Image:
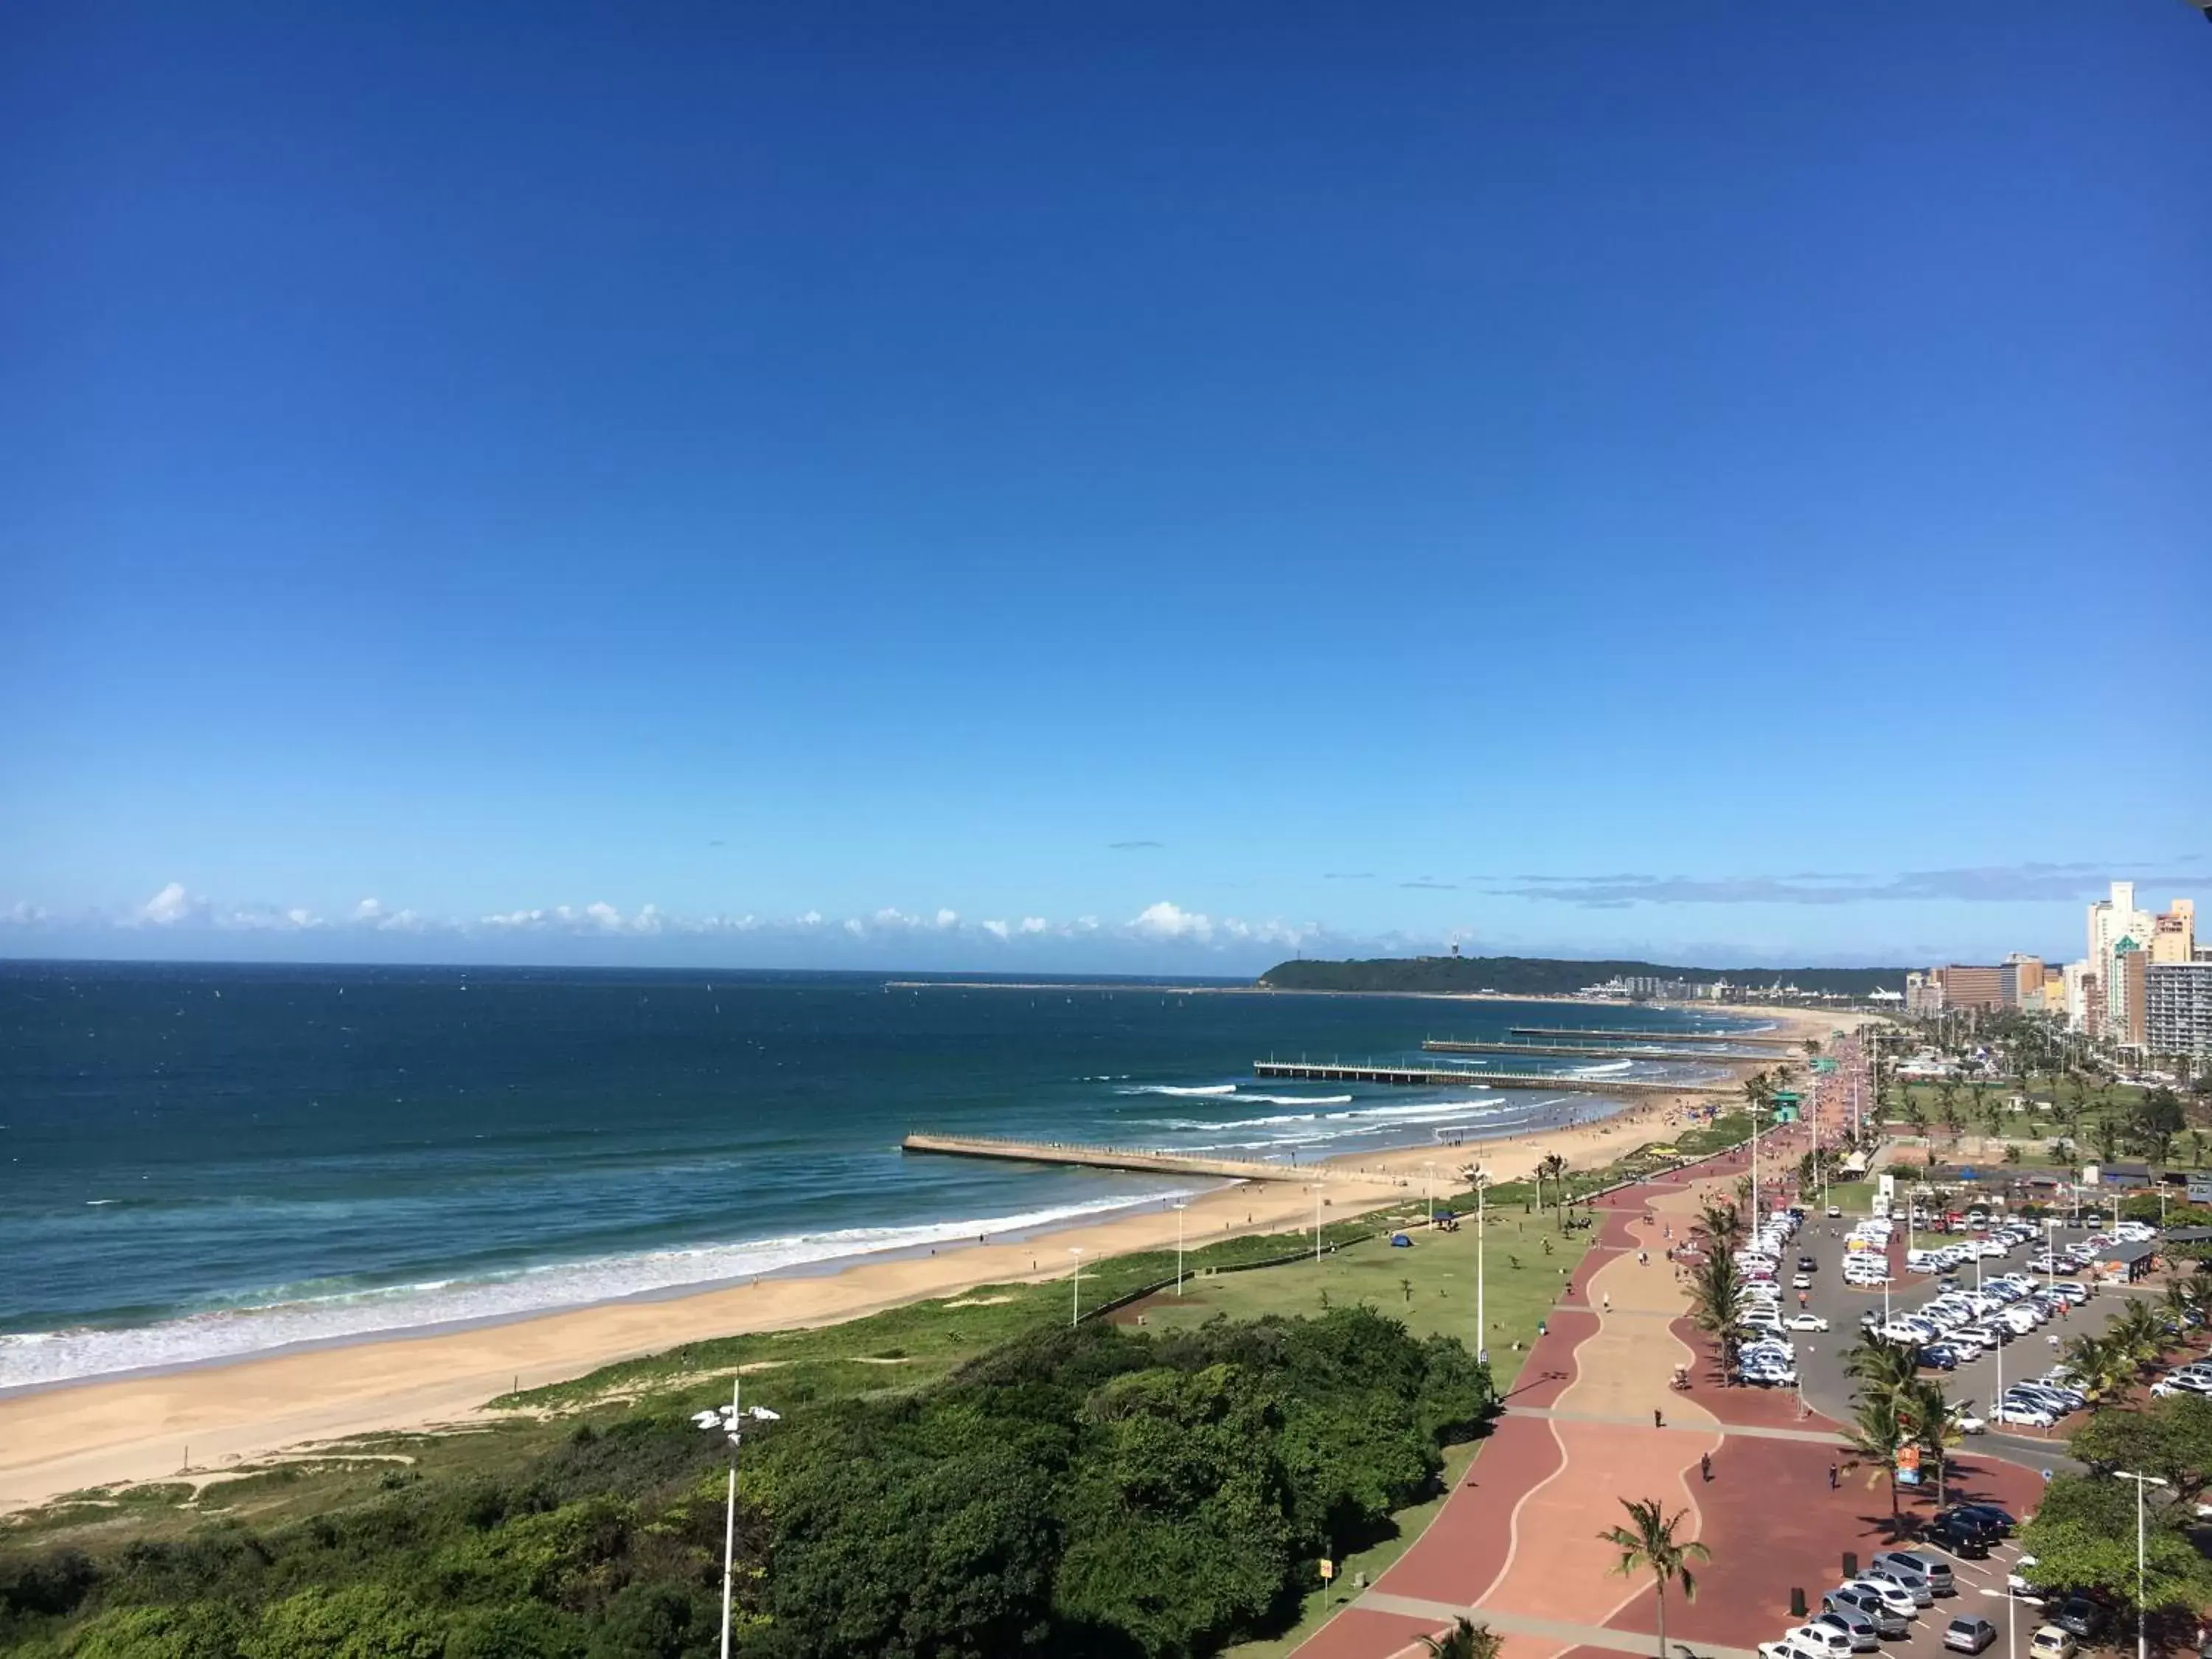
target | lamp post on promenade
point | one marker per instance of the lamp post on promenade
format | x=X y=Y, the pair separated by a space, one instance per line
x=1481 y=1313
x=1075 y=1288
x=1180 y=1206
x=2141 y=1480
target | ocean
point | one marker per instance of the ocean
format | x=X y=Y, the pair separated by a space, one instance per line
x=201 y=1162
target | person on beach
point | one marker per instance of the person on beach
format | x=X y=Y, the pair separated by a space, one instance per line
x=1658 y=1420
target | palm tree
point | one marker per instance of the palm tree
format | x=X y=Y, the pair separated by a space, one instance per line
x=1876 y=1433
x=1648 y=1544
x=1714 y=1292
x=1723 y=1222
x=1934 y=1420
x=2102 y=1364
x=1552 y=1168
x=1887 y=1374
x=1463 y=1641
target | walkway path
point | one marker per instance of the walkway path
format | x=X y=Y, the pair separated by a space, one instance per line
x=1516 y=1546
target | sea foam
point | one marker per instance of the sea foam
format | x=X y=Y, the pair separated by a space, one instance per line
x=31 y=1358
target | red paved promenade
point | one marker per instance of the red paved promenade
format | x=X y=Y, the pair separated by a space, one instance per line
x=1517 y=1544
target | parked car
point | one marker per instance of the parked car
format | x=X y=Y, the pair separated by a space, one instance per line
x=1989 y=1513
x=1805 y=1321
x=1970 y=1634
x=1821 y=1641
x=2049 y=1641
x=1895 y=1597
x=1932 y=1567
x=1913 y=1583
x=1961 y=1534
x=1890 y=1608
x=2078 y=1615
x=1865 y=1636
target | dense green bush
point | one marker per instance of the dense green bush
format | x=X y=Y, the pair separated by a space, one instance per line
x=1096 y=1491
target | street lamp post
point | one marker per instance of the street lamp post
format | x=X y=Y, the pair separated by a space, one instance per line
x=1429 y=1175
x=1180 y=1206
x=1482 y=1318
x=729 y=1420
x=2141 y=1480
x=1075 y=1288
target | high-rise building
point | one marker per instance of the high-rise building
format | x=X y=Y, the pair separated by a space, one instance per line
x=1923 y=996
x=1967 y=986
x=2054 y=1000
x=2112 y=922
x=2020 y=981
x=2124 y=993
x=2173 y=932
x=2079 y=978
x=2178 y=1007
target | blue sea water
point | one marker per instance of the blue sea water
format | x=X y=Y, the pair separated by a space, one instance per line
x=204 y=1161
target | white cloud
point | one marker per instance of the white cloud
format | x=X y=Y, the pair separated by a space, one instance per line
x=1168 y=921
x=24 y=913
x=369 y=909
x=1034 y=924
x=997 y=930
x=169 y=905
x=948 y=919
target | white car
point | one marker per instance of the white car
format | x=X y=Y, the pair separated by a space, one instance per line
x=1805 y=1321
x=1969 y=1424
x=2020 y=1416
x=1825 y=1640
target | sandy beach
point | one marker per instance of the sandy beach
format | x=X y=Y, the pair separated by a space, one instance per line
x=152 y=1426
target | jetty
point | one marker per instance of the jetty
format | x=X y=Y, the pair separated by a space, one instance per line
x=1107 y=1157
x=1590 y=1051
x=1579 y=1031
x=1455 y=1077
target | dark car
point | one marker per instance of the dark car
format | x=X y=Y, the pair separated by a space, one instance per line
x=1969 y=1634
x=1990 y=1514
x=2078 y=1615
x=1807 y=1265
x=1961 y=1534
x=1940 y=1356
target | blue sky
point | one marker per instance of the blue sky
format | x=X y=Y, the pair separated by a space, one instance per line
x=1712 y=481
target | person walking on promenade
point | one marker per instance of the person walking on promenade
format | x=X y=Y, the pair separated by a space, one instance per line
x=1706 y=1466
x=1835 y=1477
x=1605 y=1302
x=1658 y=1421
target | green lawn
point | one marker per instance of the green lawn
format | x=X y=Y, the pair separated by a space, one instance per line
x=1431 y=1287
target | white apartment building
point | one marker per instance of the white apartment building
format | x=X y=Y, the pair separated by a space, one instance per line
x=2179 y=995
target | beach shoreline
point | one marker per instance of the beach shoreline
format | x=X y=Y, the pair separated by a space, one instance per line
x=207 y=1417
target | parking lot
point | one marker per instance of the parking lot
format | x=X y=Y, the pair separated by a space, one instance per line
x=1981 y=1586
x=1827 y=1388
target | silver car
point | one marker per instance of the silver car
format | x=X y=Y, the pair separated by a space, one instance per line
x=1865 y=1636
x=1913 y=1583
x=1933 y=1568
